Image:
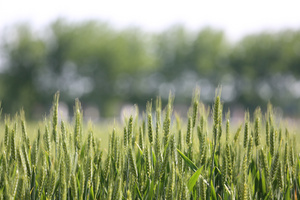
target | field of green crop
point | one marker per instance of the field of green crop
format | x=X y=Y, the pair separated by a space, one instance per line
x=156 y=156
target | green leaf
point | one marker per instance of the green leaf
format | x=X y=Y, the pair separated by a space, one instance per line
x=153 y=157
x=56 y=186
x=227 y=192
x=151 y=191
x=257 y=183
x=78 y=186
x=147 y=189
x=139 y=148
x=216 y=168
x=75 y=162
x=288 y=193
x=216 y=159
x=33 y=186
x=188 y=161
x=299 y=174
x=213 y=194
x=263 y=181
x=166 y=147
x=299 y=180
x=138 y=191
x=226 y=195
x=269 y=160
x=257 y=175
x=267 y=197
x=194 y=179
x=92 y=193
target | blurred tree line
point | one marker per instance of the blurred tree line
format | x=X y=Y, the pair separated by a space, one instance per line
x=107 y=67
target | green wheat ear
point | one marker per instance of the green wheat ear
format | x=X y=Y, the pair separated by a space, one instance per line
x=245 y=191
x=272 y=141
x=257 y=131
x=78 y=124
x=73 y=187
x=130 y=130
x=128 y=194
x=227 y=126
x=195 y=105
x=42 y=173
x=147 y=159
x=246 y=130
x=237 y=134
x=189 y=132
x=141 y=138
x=26 y=158
x=55 y=121
x=264 y=163
x=24 y=131
x=47 y=141
x=216 y=117
x=280 y=177
x=257 y=117
x=274 y=167
x=220 y=129
x=19 y=193
x=171 y=183
x=13 y=145
x=202 y=188
x=150 y=125
x=158 y=110
x=157 y=140
x=51 y=179
x=125 y=136
x=167 y=120
x=21 y=165
x=88 y=171
x=285 y=157
x=172 y=144
x=228 y=164
x=62 y=180
x=132 y=163
x=291 y=156
x=267 y=133
x=165 y=161
x=6 y=136
x=34 y=154
x=224 y=169
x=3 y=172
x=90 y=141
x=250 y=147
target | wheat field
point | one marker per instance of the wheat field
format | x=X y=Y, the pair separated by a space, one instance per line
x=153 y=156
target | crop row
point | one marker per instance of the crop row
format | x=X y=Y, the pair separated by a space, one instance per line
x=156 y=156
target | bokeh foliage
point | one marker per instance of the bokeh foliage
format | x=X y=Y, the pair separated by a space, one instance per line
x=108 y=67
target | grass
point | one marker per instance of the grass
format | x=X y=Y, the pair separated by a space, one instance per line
x=156 y=156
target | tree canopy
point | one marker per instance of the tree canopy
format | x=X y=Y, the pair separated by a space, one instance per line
x=108 y=67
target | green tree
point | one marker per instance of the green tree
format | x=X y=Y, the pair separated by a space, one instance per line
x=24 y=55
x=263 y=64
x=98 y=56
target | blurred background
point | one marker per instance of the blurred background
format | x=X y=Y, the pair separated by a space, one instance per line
x=112 y=54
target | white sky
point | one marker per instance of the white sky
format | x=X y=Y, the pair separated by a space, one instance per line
x=235 y=17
